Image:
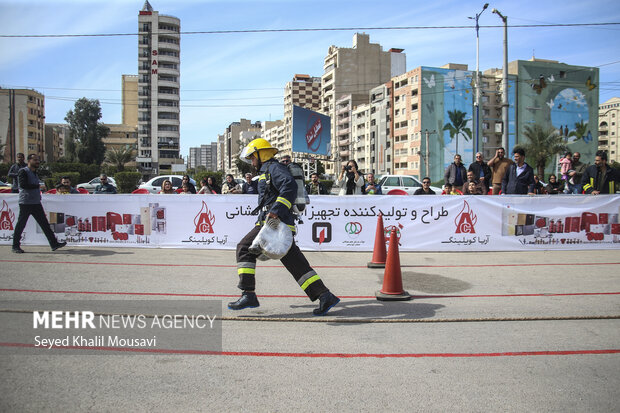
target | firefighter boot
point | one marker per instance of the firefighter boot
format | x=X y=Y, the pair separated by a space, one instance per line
x=326 y=301
x=247 y=300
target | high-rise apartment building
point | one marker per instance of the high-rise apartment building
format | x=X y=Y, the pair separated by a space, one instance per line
x=203 y=156
x=22 y=123
x=158 y=91
x=354 y=71
x=380 y=136
x=303 y=91
x=130 y=100
x=232 y=141
x=609 y=129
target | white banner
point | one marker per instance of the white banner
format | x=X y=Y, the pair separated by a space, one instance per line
x=330 y=223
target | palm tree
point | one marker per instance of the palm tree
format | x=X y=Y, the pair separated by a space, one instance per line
x=542 y=145
x=119 y=157
x=457 y=126
x=581 y=129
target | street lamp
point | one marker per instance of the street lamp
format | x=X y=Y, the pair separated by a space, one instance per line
x=477 y=103
x=504 y=82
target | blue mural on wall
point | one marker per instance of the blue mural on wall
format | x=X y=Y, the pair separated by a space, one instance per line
x=570 y=115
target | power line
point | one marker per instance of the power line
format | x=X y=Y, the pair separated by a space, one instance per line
x=332 y=29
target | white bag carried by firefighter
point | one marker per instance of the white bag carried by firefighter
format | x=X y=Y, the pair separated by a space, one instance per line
x=273 y=241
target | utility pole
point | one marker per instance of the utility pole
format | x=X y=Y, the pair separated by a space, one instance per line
x=477 y=103
x=427 y=153
x=505 y=105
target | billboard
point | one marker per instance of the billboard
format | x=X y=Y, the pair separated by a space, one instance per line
x=311 y=131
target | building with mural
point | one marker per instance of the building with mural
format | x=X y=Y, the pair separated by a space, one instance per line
x=559 y=96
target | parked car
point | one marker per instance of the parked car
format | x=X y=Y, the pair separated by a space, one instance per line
x=91 y=185
x=154 y=184
x=5 y=187
x=407 y=183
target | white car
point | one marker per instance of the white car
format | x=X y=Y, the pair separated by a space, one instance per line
x=91 y=185
x=154 y=184
x=407 y=183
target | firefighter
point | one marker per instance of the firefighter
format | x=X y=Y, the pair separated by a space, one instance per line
x=277 y=191
x=600 y=178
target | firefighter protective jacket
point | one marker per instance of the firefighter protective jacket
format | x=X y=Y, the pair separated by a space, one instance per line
x=277 y=191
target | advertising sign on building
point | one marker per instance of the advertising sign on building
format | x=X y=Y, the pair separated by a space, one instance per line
x=311 y=131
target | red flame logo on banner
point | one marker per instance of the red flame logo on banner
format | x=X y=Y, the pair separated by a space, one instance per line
x=465 y=220
x=204 y=220
x=7 y=217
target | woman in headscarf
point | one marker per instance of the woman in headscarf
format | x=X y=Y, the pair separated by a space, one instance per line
x=231 y=186
x=209 y=186
x=350 y=180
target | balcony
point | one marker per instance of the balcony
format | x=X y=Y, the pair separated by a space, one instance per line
x=343 y=142
x=342 y=110
x=167 y=96
x=143 y=159
x=344 y=131
x=344 y=154
x=169 y=46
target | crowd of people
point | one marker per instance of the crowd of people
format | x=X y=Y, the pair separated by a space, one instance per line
x=500 y=175
x=505 y=176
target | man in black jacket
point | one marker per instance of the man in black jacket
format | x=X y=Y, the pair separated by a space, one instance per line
x=30 y=204
x=600 y=178
x=315 y=187
x=456 y=174
x=481 y=171
x=519 y=178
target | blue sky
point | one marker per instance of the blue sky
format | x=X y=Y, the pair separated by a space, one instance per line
x=225 y=77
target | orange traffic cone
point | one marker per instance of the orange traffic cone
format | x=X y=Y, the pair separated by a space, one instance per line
x=378 y=253
x=392 y=289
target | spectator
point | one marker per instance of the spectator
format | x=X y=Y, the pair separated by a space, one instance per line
x=600 y=178
x=166 y=188
x=285 y=160
x=215 y=188
x=231 y=186
x=499 y=165
x=426 y=188
x=105 y=187
x=315 y=187
x=63 y=189
x=448 y=189
x=190 y=185
x=13 y=171
x=519 y=177
x=566 y=164
x=350 y=180
x=482 y=172
x=576 y=174
x=249 y=186
x=539 y=186
x=66 y=181
x=371 y=187
x=185 y=189
x=471 y=177
x=456 y=174
x=553 y=186
x=473 y=189
x=30 y=204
